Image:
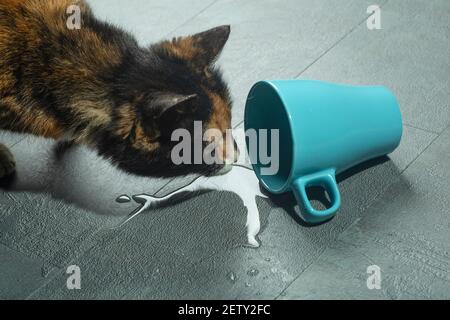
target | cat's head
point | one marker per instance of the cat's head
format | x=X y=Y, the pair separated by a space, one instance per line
x=185 y=88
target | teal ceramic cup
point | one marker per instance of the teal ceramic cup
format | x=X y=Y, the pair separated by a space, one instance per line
x=324 y=129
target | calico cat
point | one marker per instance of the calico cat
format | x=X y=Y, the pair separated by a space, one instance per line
x=96 y=86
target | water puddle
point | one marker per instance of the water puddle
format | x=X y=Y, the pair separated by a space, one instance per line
x=240 y=180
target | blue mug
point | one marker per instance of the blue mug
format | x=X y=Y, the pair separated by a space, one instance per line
x=324 y=129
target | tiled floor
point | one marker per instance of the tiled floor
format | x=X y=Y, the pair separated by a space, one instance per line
x=395 y=213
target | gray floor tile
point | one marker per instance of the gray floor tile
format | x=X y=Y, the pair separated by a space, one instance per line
x=36 y=223
x=405 y=232
x=9 y=203
x=399 y=58
x=126 y=266
x=151 y=20
x=20 y=274
x=158 y=254
x=240 y=274
x=50 y=229
x=413 y=142
x=272 y=40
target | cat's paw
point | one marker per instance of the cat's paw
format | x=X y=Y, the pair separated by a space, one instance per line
x=7 y=162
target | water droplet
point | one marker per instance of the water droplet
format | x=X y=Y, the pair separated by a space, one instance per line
x=46 y=269
x=123 y=199
x=248 y=285
x=267 y=259
x=253 y=272
x=232 y=276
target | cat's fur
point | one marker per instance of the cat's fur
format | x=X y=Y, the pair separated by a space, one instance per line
x=98 y=87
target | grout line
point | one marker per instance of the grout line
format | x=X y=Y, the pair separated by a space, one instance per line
x=336 y=43
x=426 y=130
x=422 y=152
x=304 y=270
x=165 y=185
x=192 y=18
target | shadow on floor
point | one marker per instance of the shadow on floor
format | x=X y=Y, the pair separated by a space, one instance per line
x=318 y=196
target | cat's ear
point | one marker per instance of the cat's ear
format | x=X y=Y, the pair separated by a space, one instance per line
x=166 y=102
x=200 y=49
x=210 y=44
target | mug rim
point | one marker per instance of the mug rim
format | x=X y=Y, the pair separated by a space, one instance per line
x=286 y=184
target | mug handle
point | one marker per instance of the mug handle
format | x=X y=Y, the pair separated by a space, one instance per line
x=325 y=179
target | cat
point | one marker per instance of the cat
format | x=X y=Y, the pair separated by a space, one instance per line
x=97 y=87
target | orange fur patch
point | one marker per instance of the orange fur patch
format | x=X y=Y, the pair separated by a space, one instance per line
x=95 y=113
x=221 y=113
x=74 y=69
x=6 y=83
x=183 y=48
x=142 y=141
x=125 y=122
x=221 y=120
x=33 y=120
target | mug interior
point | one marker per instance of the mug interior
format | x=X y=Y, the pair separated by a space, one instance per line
x=265 y=110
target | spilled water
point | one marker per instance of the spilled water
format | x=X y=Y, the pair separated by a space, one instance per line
x=253 y=272
x=240 y=180
x=232 y=277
